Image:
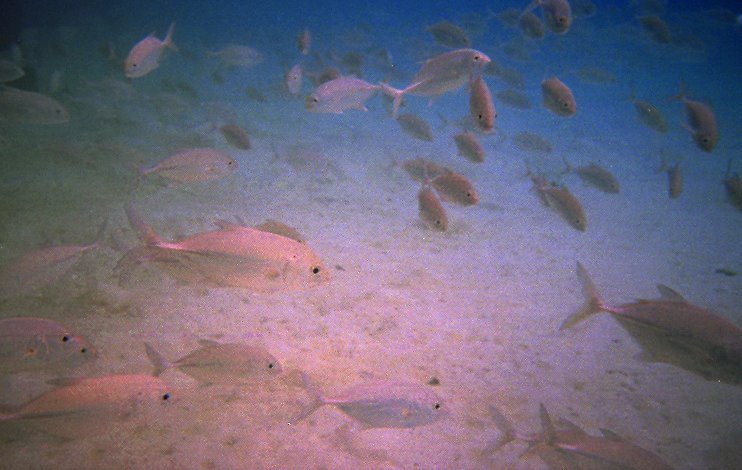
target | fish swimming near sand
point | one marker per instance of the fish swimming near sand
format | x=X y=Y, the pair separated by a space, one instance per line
x=231 y=256
x=415 y=126
x=431 y=210
x=236 y=136
x=382 y=404
x=221 y=363
x=456 y=189
x=237 y=55
x=469 y=146
x=673 y=331
x=340 y=94
x=193 y=165
x=9 y=71
x=145 y=56
x=558 y=98
x=649 y=114
x=27 y=107
x=570 y=439
x=31 y=344
x=561 y=201
x=421 y=169
x=701 y=122
x=596 y=176
x=481 y=107
x=443 y=73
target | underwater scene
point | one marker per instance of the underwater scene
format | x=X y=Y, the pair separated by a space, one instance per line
x=389 y=235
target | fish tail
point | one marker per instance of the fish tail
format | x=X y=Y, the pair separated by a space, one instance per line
x=396 y=95
x=547 y=425
x=160 y=363
x=145 y=232
x=593 y=302
x=505 y=427
x=680 y=95
x=168 y=41
x=314 y=405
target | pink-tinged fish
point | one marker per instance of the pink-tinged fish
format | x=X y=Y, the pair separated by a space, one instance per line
x=340 y=94
x=421 y=169
x=98 y=397
x=557 y=14
x=456 y=189
x=431 y=210
x=41 y=267
x=293 y=79
x=531 y=25
x=608 y=449
x=481 y=108
x=30 y=344
x=558 y=98
x=237 y=138
x=443 y=73
x=415 y=126
x=231 y=256
x=468 y=146
x=673 y=331
x=701 y=122
x=596 y=176
x=304 y=41
x=561 y=201
x=237 y=55
x=192 y=165
x=449 y=35
x=382 y=404
x=145 y=56
x=225 y=363
x=27 y=107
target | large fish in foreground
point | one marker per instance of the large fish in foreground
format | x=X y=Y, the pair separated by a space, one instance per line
x=673 y=331
x=569 y=439
x=231 y=256
x=30 y=344
x=443 y=73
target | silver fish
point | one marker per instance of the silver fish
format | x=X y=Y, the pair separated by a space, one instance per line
x=28 y=344
x=213 y=362
x=340 y=94
x=415 y=126
x=561 y=201
x=145 y=56
x=468 y=146
x=26 y=107
x=192 y=165
x=382 y=404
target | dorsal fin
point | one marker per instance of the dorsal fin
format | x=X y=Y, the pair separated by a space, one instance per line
x=610 y=435
x=669 y=293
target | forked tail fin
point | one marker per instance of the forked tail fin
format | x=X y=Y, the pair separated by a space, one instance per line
x=168 y=41
x=317 y=400
x=160 y=363
x=593 y=302
x=144 y=231
x=396 y=95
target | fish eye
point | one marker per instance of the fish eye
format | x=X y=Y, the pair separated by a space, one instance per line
x=65 y=338
x=437 y=406
x=315 y=270
x=166 y=397
x=84 y=350
x=270 y=365
x=476 y=58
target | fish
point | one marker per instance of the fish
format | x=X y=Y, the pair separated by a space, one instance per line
x=468 y=146
x=293 y=79
x=443 y=73
x=449 y=35
x=595 y=75
x=481 y=108
x=530 y=142
x=193 y=165
x=145 y=56
x=456 y=189
x=255 y=94
x=94 y=396
x=514 y=99
x=237 y=55
x=674 y=181
x=415 y=126
x=430 y=209
x=531 y=25
x=701 y=122
x=561 y=201
x=509 y=75
x=31 y=344
x=733 y=186
x=220 y=363
x=649 y=114
x=381 y=404
x=656 y=28
x=231 y=256
x=421 y=169
x=340 y=94
x=9 y=71
x=41 y=267
x=27 y=107
x=596 y=176
x=304 y=41
x=608 y=449
x=557 y=14
x=279 y=228
x=558 y=98
x=672 y=330
x=236 y=136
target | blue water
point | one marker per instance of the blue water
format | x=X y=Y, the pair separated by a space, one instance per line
x=478 y=307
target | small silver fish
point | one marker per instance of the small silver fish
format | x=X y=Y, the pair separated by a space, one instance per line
x=145 y=56
x=27 y=107
x=237 y=55
x=213 y=362
x=561 y=201
x=304 y=41
x=293 y=79
x=340 y=94
x=415 y=126
x=382 y=404
x=649 y=114
x=430 y=209
x=596 y=176
x=448 y=34
x=468 y=146
x=28 y=344
x=236 y=136
x=192 y=165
